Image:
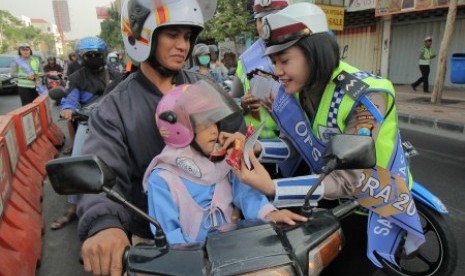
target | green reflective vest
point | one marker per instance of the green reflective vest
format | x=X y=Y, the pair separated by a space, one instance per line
x=270 y=130
x=35 y=66
x=387 y=137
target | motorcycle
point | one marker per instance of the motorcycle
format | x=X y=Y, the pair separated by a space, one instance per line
x=81 y=116
x=256 y=248
x=54 y=79
x=438 y=256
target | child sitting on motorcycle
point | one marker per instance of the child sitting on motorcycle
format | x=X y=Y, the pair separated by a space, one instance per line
x=187 y=193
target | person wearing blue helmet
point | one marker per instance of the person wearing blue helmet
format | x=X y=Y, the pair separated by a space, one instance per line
x=83 y=87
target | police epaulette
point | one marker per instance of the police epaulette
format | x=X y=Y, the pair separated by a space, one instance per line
x=351 y=85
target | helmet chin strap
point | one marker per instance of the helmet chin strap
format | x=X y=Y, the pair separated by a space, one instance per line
x=165 y=72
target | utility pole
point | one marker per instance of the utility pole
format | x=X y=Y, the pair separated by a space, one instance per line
x=442 y=60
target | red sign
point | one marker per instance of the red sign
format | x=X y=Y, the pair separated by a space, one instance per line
x=102 y=13
x=385 y=7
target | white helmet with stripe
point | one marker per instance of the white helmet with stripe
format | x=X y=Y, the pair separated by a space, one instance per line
x=284 y=28
x=141 y=18
x=262 y=8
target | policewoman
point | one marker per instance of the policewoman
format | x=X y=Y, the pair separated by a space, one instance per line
x=254 y=58
x=322 y=96
x=27 y=68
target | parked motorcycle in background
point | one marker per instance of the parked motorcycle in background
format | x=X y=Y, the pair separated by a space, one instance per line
x=54 y=79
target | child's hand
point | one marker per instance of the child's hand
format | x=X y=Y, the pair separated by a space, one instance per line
x=227 y=139
x=285 y=216
x=257 y=178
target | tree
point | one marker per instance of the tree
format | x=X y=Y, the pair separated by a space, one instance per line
x=13 y=32
x=229 y=21
x=111 y=29
x=442 y=60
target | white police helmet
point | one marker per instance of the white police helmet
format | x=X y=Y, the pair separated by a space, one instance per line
x=141 y=18
x=284 y=28
x=262 y=8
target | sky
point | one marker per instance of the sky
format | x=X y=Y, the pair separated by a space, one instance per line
x=82 y=12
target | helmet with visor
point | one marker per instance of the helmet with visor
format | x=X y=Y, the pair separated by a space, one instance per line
x=189 y=109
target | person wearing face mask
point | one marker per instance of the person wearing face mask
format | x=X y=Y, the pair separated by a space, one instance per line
x=215 y=63
x=201 y=55
x=83 y=87
x=160 y=36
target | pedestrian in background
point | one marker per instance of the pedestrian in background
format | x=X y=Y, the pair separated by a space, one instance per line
x=230 y=62
x=73 y=64
x=201 y=55
x=426 y=54
x=215 y=63
x=254 y=57
x=26 y=68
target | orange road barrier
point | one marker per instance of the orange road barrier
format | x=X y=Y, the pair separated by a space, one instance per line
x=27 y=181
x=28 y=130
x=22 y=197
x=50 y=129
x=11 y=263
x=21 y=227
x=14 y=236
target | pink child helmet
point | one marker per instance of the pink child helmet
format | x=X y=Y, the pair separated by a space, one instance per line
x=189 y=108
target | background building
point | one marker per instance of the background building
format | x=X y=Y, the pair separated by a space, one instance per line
x=61 y=13
x=52 y=29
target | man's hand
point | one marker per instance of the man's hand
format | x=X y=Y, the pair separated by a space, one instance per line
x=66 y=114
x=31 y=77
x=285 y=216
x=103 y=253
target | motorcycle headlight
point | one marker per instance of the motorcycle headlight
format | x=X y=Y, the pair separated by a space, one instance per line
x=323 y=254
x=286 y=270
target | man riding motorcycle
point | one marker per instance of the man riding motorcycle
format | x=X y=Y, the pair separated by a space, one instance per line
x=54 y=73
x=84 y=86
x=122 y=130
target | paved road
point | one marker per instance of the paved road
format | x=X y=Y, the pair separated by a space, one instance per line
x=440 y=167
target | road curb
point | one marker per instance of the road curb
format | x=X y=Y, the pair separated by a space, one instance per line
x=432 y=123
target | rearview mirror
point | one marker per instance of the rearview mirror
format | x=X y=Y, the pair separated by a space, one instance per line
x=351 y=151
x=85 y=174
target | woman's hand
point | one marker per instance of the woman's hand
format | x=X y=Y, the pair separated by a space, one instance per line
x=257 y=178
x=250 y=103
x=285 y=216
x=267 y=103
